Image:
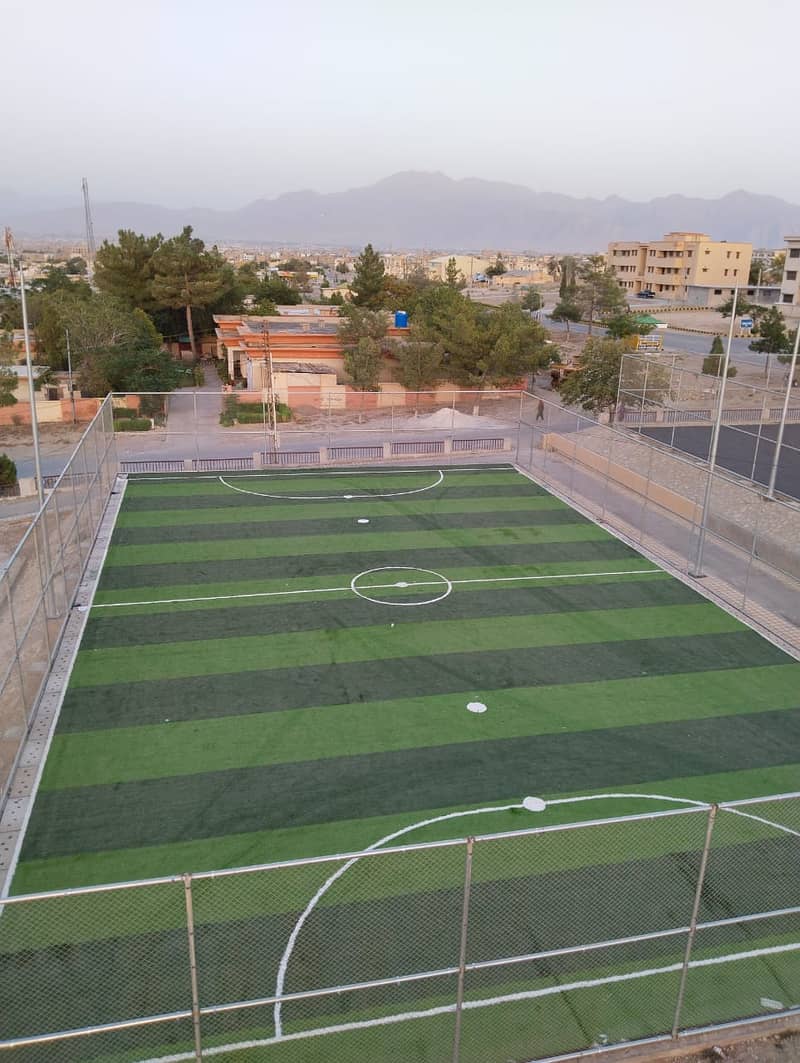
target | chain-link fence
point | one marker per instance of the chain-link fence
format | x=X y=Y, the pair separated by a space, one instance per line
x=743 y=546
x=38 y=586
x=211 y=431
x=514 y=946
x=676 y=406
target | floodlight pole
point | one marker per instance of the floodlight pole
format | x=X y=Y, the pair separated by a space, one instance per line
x=712 y=456
x=779 y=441
x=37 y=457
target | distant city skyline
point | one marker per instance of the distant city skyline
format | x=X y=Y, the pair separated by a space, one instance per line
x=185 y=103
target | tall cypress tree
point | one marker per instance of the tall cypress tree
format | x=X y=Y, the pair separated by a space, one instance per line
x=369 y=280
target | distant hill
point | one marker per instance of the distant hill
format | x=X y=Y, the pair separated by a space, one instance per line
x=431 y=210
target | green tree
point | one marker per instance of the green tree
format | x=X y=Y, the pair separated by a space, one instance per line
x=598 y=292
x=8 y=352
x=772 y=336
x=125 y=269
x=56 y=279
x=8 y=469
x=566 y=310
x=497 y=269
x=185 y=275
x=130 y=370
x=716 y=346
x=357 y=323
x=369 y=280
x=532 y=300
x=342 y=267
x=623 y=324
x=566 y=272
x=76 y=266
x=713 y=363
x=96 y=325
x=363 y=364
x=8 y=385
x=453 y=277
x=594 y=386
x=10 y=312
x=420 y=363
x=276 y=290
x=743 y=308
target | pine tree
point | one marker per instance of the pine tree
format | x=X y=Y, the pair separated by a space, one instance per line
x=185 y=275
x=368 y=283
x=452 y=275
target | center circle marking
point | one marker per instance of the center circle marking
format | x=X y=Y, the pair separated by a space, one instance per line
x=401 y=583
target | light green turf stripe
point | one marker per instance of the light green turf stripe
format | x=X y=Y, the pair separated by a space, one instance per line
x=335 y=510
x=286 y=601
x=215 y=656
x=299 y=546
x=237 y=850
x=322 y=483
x=183 y=748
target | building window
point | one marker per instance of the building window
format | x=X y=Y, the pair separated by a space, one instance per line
x=738 y=253
x=727 y=254
x=791 y=274
x=689 y=254
x=708 y=252
x=718 y=291
x=787 y=298
x=736 y=273
x=794 y=252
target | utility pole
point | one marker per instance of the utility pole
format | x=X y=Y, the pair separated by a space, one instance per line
x=37 y=457
x=12 y=279
x=69 y=377
x=779 y=441
x=270 y=390
x=712 y=457
x=91 y=249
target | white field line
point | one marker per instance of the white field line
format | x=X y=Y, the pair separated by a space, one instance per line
x=190 y=477
x=470 y=1005
x=328 y=498
x=374 y=587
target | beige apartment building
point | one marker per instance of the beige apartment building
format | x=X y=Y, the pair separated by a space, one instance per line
x=682 y=260
x=790 y=283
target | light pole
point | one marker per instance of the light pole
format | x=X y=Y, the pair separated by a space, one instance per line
x=37 y=458
x=779 y=441
x=69 y=377
x=712 y=457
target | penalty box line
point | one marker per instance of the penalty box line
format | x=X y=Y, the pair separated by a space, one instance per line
x=373 y=587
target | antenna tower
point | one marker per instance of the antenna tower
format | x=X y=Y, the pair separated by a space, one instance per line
x=9 y=240
x=91 y=249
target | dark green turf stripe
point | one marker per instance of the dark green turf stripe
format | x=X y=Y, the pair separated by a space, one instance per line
x=163 y=811
x=172 y=500
x=105 y=629
x=258 y=529
x=151 y=701
x=219 y=656
x=63 y=984
x=439 y=559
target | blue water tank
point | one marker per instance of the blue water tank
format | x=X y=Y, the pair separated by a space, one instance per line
x=400 y=319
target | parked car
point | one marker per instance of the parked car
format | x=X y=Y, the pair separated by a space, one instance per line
x=646 y=294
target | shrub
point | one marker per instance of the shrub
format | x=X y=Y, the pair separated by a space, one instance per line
x=120 y=412
x=134 y=424
x=712 y=366
x=8 y=471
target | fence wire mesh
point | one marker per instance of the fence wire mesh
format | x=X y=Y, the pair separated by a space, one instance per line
x=38 y=585
x=548 y=940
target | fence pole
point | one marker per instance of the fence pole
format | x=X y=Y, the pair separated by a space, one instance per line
x=198 y=1043
x=462 y=954
x=701 y=875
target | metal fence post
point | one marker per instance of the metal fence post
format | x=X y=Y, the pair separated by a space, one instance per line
x=462 y=954
x=198 y=1043
x=701 y=875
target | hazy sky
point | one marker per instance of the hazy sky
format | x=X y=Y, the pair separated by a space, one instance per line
x=185 y=102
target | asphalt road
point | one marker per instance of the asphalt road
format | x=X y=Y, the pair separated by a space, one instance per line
x=742 y=451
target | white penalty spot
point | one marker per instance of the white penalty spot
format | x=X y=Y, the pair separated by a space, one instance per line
x=476 y=706
x=363 y=520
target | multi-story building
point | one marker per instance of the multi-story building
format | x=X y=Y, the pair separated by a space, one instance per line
x=678 y=263
x=790 y=284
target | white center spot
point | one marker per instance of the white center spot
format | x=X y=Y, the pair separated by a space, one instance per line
x=363 y=520
x=476 y=706
x=347 y=496
x=401 y=583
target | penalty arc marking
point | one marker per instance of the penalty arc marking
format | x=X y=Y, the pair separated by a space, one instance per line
x=328 y=498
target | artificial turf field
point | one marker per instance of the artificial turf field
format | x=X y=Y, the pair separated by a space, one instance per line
x=279 y=666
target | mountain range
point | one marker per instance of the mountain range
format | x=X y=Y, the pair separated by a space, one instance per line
x=428 y=210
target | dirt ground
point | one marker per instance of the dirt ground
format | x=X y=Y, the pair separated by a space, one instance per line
x=779 y=1048
x=18 y=436
x=11 y=531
